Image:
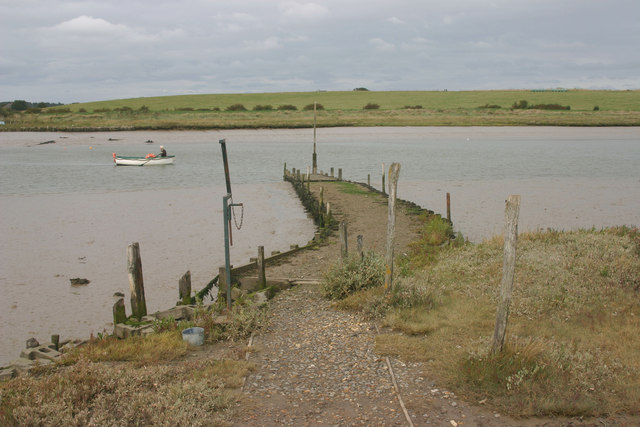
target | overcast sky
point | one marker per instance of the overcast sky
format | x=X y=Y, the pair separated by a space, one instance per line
x=75 y=50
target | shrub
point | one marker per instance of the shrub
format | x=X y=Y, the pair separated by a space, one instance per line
x=287 y=107
x=19 y=105
x=413 y=107
x=596 y=108
x=371 y=106
x=263 y=107
x=522 y=105
x=236 y=107
x=309 y=107
x=490 y=106
x=102 y=110
x=353 y=274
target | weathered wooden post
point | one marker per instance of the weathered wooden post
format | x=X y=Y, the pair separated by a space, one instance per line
x=136 y=282
x=511 y=213
x=55 y=340
x=369 y=179
x=321 y=197
x=298 y=174
x=308 y=178
x=284 y=174
x=331 y=172
x=119 y=312
x=360 y=243
x=184 y=288
x=449 y=207
x=339 y=174
x=394 y=172
x=262 y=279
x=344 y=250
x=383 y=190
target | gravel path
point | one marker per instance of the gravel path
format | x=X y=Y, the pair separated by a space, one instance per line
x=317 y=366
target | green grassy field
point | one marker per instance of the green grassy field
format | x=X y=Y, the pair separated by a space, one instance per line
x=407 y=108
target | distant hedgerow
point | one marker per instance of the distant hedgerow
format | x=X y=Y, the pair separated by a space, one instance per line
x=236 y=107
x=371 y=106
x=263 y=107
x=287 y=107
x=309 y=107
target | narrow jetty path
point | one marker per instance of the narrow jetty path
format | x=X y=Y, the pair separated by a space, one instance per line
x=316 y=365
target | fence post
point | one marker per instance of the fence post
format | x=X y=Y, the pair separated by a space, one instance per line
x=339 y=174
x=394 y=172
x=344 y=250
x=369 y=179
x=184 y=288
x=360 y=243
x=136 y=282
x=262 y=279
x=449 y=207
x=511 y=212
x=383 y=190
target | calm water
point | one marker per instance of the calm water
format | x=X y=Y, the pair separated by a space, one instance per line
x=68 y=212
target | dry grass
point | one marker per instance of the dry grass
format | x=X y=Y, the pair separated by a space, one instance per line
x=88 y=393
x=572 y=338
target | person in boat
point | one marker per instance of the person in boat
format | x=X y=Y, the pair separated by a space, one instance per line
x=163 y=152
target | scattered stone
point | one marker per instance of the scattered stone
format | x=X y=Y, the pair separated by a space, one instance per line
x=32 y=343
x=79 y=282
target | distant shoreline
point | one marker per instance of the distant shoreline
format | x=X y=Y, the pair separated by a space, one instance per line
x=337 y=109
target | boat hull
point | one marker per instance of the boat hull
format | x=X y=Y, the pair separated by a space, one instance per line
x=143 y=161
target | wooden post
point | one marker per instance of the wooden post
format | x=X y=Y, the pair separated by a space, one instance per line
x=184 y=288
x=136 y=282
x=284 y=174
x=383 y=190
x=369 y=179
x=262 y=279
x=360 y=246
x=328 y=208
x=331 y=172
x=55 y=340
x=222 y=282
x=394 y=172
x=321 y=197
x=298 y=174
x=344 y=250
x=449 y=207
x=119 y=312
x=511 y=213
x=308 y=178
x=339 y=174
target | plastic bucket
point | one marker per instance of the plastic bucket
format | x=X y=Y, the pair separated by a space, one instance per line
x=194 y=336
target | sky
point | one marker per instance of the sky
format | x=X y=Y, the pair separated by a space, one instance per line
x=78 y=51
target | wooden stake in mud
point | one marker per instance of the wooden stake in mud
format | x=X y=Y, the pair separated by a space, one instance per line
x=383 y=191
x=344 y=250
x=339 y=174
x=359 y=241
x=449 y=207
x=284 y=174
x=308 y=178
x=369 y=179
x=511 y=214
x=394 y=172
x=119 y=312
x=184 y=288
x=262 y=279
x=136 y=282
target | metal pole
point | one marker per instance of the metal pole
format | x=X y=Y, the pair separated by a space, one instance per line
x=227 y=261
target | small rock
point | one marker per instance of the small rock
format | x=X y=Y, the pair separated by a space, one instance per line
x=32 y=343
x=78 y=281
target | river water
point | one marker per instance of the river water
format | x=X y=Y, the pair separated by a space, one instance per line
x=68 y=212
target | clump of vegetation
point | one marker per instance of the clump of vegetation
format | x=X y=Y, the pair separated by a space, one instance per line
x=263 y=107
x=361 y=89
x=353 y=274
x=371 y=106
x=236 y=107
x=413 y=107
x=309 y=107
x=494 y=106
x=287 y=107
x=524 y=105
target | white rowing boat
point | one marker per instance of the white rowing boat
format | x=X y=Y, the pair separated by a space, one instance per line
x=148 y=160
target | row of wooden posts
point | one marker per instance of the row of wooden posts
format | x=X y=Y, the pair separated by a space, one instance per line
x=512 y=210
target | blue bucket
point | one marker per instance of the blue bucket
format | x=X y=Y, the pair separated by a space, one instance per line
x=194 y=336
